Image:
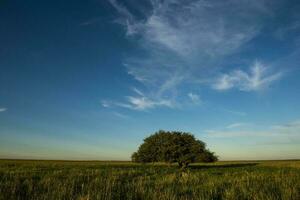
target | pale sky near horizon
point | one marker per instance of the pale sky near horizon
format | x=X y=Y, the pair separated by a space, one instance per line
x=90 y=79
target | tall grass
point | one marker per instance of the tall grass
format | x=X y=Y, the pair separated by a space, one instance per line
x=112 y=180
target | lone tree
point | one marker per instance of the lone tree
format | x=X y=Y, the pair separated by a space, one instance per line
x=171 y=147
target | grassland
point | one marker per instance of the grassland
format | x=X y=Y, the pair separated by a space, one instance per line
x=57 y=180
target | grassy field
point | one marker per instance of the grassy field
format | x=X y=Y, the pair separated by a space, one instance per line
x=124 y=180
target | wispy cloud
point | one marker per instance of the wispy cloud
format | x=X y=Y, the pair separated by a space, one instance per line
x=128 y=19
x=288 y=128
x=195 y=98
x=182 y=42
x=197 y=27
x=144 y=103
x=236 y=125
x=3 y=109
x=259 y=77
x=90 y=22
x=283 y=133
x=105 y=104
x=120 y=115
x=137 y=91
x=121 y=9
x=138 y=102
x=282 y=32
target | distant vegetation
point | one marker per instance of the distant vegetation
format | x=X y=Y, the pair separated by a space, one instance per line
x=170 y=147
x=60 y=180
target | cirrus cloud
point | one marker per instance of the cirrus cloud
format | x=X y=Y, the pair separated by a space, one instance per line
x=3 y=109
x=184 y=42
x=286 y=133
x=258 y=78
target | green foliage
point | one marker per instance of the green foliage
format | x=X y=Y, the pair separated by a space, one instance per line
x=170 y=147
x=207 y=156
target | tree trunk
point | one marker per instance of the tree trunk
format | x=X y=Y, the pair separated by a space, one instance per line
x=183 y=165
x=180 y=164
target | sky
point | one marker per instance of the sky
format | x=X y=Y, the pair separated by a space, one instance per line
x=89 y=80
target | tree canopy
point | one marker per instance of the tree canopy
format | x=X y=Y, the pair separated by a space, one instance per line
x=172 y=147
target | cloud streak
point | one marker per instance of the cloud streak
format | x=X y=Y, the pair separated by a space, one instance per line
x=138 y=102
x=257 y=78
x=3 y=109
x=288 y=133
x=236 y=125
x=143 y=103
x=195 y=98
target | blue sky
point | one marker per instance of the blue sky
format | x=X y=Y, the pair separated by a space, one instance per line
x=90 y=79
